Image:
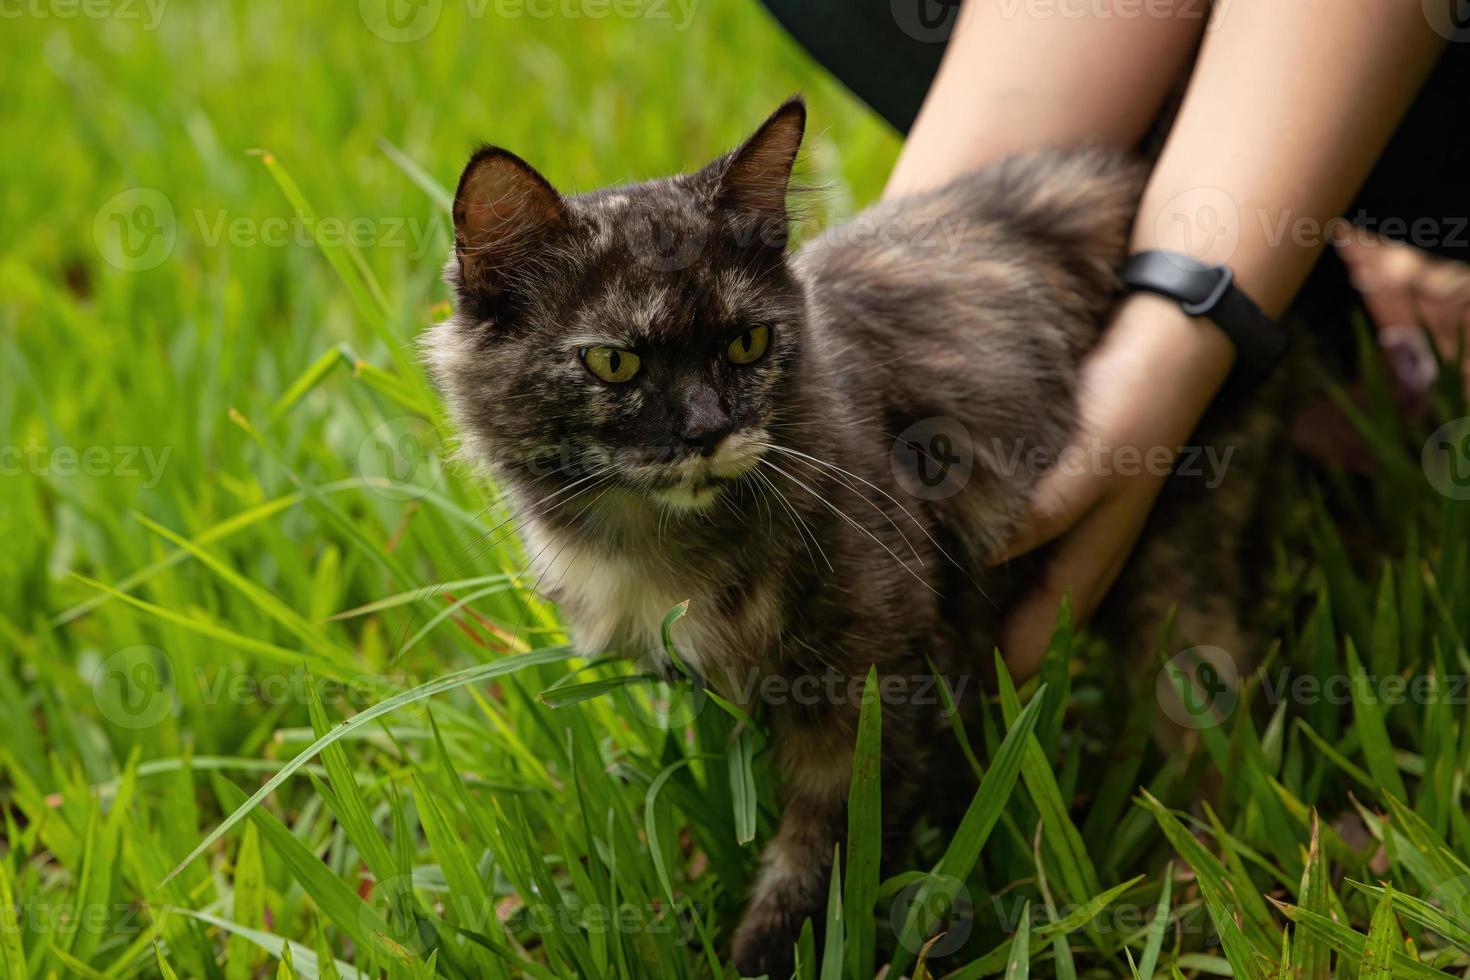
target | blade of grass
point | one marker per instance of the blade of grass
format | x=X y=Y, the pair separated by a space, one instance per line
x=1368 y=715
x=1430 y=916
x=995 y=961
x=1351 y=943
x=1158 y=927
x=305 y=959
x=740 y=758
x=1219 y=896
x=964 y=848
x=1312 y=954
x=470 y=675
x=835 y=940
x=1019 y=968
x=247 y=906
x=1079 y=875
x=1383 y=937
x=864 y=832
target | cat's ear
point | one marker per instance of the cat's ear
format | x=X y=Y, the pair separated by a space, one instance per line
x=755 y=178
x=504 y=212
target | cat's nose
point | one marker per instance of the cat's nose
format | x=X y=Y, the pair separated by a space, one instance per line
x=702 y=420
x=705 y=432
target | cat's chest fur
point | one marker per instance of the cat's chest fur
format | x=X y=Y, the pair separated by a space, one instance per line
x=618 y=600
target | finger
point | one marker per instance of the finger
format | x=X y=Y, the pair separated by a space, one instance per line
x=1060 y=499
x=1143 y=387
x=1086 y=563
x=1385 y=274
x=1392 y=307
x=1444 y=299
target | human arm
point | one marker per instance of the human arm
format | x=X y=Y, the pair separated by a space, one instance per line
x=1288 y=106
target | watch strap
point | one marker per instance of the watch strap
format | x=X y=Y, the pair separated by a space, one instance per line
x=1210 y=291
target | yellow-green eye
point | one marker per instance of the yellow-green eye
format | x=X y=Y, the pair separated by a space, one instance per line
x=611 y=363
x=749 y=346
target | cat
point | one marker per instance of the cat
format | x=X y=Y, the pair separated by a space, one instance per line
x=817 y=448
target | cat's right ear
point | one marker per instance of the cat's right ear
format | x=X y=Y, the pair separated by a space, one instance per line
x=754 y=179
x=504 y=213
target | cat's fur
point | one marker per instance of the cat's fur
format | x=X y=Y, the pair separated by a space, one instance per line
x=979 y=316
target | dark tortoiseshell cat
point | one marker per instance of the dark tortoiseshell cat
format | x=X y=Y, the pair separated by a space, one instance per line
x=679 y=409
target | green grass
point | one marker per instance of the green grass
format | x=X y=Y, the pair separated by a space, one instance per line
x=229 y=569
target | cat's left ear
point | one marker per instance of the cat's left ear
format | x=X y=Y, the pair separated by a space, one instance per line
x=754 y=179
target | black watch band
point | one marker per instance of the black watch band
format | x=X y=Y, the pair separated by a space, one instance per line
x=1210 y=291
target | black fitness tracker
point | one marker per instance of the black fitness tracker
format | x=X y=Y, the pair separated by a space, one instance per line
x=1210 y=291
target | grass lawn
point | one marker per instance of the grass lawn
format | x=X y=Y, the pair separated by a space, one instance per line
x=230 y=525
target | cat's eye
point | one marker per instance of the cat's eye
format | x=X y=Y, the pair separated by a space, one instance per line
x=611 y=363
x=749 y=346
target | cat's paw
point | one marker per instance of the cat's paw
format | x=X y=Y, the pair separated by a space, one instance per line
x=765 y=944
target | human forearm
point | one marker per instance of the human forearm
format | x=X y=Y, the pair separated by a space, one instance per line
x=1019 y=74
x=1288 y=107
x=1269 y=139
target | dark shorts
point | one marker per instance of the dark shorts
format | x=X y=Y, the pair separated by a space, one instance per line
x=887 y=51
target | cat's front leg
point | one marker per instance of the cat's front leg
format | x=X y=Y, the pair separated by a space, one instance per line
x=814 y=756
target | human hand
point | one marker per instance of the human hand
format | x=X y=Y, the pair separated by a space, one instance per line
x=1407 y=290
x=1143 y=391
